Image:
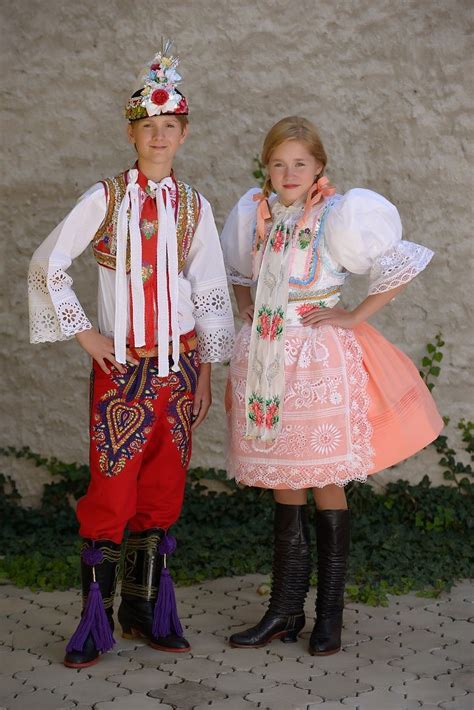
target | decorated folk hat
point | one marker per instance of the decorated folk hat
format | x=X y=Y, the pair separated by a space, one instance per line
x=157 y=92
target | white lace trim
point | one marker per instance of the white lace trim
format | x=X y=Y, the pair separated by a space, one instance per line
x=214 y=322
x=238 y=279
x=215 y=345
x=398 y=266
x=356 y=468
x=50 y=319
x=213 y=301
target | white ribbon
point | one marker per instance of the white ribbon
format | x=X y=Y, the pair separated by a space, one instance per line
x=167 y=278
x=121 y=286
x=167 y=274
x=136 y=278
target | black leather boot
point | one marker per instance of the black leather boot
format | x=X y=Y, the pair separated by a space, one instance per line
x=99 y=566
x=291 y=568
x=332 y=532
x=143 y=565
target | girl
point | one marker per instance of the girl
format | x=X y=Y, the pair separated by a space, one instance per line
x=316 y=396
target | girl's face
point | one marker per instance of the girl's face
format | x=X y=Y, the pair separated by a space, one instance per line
x=292 y=169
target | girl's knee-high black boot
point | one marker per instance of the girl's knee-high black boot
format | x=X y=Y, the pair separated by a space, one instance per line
x=93 y=636
x=291 y=569
x=143 y=573
x=332 y=533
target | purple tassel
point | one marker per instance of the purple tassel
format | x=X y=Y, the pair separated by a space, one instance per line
x=92 y=556
x=94 y=618
x=167 y=545
x=165 y=616
x=93 y=621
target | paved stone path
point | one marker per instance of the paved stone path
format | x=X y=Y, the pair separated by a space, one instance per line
x=416 y=653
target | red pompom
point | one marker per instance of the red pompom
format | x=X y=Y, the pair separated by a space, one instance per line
x=155 y=67
x=160 y=97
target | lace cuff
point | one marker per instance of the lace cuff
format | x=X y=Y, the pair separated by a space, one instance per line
x=215 y=345
x=52 y=320
x=398 y=266
x=214 y=322
x=238 y=279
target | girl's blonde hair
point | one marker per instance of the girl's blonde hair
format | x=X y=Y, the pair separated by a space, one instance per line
x=292 y=128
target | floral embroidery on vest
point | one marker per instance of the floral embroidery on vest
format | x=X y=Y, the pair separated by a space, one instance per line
x=104 y=243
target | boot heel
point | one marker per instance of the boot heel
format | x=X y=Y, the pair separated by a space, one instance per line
x=290 y=637
x=129 y=633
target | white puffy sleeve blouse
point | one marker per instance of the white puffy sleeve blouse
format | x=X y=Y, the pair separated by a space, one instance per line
x=363 y=234
x=237 y=239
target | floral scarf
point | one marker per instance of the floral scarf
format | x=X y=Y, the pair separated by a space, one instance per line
x=266 y=372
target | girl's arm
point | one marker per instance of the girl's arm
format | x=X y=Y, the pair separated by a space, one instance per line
x=349 y=319
x=243 y=297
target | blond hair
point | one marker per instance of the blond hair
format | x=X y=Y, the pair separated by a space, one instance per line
x=292 y=128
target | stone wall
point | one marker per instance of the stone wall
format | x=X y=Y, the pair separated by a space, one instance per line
x=386 y=81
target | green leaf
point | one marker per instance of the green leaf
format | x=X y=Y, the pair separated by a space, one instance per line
x=435 y=371
x=431 y=348
x=426 y=362
x=438 y=356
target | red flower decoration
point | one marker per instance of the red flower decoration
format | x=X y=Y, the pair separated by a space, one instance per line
x=160 y=97
x=182 y=107
x=155 y=67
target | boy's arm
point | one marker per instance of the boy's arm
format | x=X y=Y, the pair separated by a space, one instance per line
x=55 y=311
x=212 y=308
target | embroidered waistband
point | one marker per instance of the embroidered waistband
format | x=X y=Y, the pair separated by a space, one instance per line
x=301 y=298
x=187 y=342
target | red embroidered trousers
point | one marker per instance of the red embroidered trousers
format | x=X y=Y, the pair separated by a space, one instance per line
x=140 y=446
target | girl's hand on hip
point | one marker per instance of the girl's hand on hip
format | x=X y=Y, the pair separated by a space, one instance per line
x=330 y=316
x=101 y=349
x=247 y=314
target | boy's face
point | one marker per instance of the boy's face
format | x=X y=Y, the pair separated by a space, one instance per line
x=157 y=138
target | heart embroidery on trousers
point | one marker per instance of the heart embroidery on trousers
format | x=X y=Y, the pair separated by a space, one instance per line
x=123 y=420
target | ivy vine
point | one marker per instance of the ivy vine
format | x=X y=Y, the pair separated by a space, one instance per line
x=410 y=537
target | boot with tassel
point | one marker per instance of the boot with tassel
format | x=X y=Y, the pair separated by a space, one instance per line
x=332 y=533
x=148 y=607
x=93 y=636
x=285 y=617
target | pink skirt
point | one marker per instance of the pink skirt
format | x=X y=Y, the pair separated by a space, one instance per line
x=354 y=404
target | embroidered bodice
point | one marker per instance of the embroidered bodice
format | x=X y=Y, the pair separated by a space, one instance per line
x=358 y=233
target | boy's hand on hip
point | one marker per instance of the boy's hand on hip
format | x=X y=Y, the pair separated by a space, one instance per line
x=101 y=349
x=202 y=397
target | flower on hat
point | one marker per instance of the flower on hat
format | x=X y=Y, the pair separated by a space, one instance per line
x=158 y=93
x=160 y=97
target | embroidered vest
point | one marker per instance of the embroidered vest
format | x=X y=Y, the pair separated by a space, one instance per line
x=187 y=210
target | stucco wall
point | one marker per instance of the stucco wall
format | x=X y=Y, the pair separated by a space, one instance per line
x=386 y=81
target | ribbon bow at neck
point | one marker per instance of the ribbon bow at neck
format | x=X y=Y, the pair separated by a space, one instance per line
x=319 y=189
x=167 y=270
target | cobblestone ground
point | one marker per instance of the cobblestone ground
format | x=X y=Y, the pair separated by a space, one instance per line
x=415 y=653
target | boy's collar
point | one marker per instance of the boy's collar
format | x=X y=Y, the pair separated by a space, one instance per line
x=143 y=181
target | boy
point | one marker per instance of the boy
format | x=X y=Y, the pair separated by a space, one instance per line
x=164 y=316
